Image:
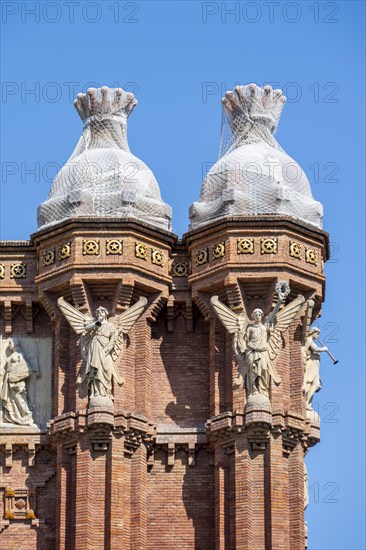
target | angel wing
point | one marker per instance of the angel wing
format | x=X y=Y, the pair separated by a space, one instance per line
x=231 y=321
x=129 y=317
x=234 y=324
x=282 y=323
x=125 y=322
x=76 y=319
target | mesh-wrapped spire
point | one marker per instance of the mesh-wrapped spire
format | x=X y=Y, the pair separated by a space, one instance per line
x=253 y=174
x=102 y=178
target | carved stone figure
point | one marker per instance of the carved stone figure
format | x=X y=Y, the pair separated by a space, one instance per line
x=257 y=343
x=311 y=354
x=13 y=393
x=101 y=342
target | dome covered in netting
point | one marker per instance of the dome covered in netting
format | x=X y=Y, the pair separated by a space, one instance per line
x=253 y=174
x=102 y=177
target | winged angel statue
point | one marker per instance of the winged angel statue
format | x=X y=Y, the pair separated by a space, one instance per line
x=257 y=342
x=101 y=342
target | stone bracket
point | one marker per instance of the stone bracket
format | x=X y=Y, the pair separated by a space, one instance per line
x=49 y=304
x=8 y=317
x=29 y=316
x=122 y=296
x=154 y=307
x=188 y=439
x=79 y=295
x=20 y=441
x=170 y=313
x=101 y=424
x=235 y=298
x=189 y=315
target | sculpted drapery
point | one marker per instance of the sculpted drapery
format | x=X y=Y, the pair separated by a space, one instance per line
x=101 y=342
x=258 y=342
x=13 y=393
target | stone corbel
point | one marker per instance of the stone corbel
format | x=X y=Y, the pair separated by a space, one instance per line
x=203 y=302
x=150 y=456
x=50 y=305
x=191 y=454
x=29 y=316
x=31 y=454
x=154 y=307
x=8 y=317
x=100 y=438
x=79 y=294
x=258 y=436
x=189 y=315
x=170 y=313
x=171 y=454
x=8 y=455
x=234 y=298
x=122 y=296
x=290 y=438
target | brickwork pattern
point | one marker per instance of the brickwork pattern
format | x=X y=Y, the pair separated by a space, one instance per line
x=180 y=463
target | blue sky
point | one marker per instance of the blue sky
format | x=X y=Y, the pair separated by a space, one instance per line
x=179 y=58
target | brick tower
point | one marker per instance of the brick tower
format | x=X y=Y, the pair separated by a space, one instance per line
x=140 y=437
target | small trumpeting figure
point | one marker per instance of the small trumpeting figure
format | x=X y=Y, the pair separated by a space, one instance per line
x=311 y=353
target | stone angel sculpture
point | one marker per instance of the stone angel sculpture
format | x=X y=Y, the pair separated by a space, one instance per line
x=258 y=342
x=101 y=342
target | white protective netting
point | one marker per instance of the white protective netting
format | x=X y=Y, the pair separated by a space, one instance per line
x=253 y=174
x=102 y=177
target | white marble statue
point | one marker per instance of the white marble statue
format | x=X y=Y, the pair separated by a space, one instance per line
x=257 y=343
x=101 y=342
x=14 y=394
x=311 y=355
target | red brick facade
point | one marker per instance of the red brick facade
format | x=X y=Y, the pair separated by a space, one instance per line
x=180 y=463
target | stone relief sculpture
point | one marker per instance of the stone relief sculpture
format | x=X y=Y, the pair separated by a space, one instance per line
x=14 y=391
x=257 y=342
x=101 y=342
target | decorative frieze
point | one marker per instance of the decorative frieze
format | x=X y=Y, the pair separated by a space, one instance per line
x=295 y=250
x=311 y=256
x=141 y=251
x=114 y=247
x=180 y=269
x=18 y=271
x=91 y=247
x=202 y=256
x=245 y=246
x=49 y=256
x=269 y=246
x=218 y=250
x=65 y=251
x=157 y=257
